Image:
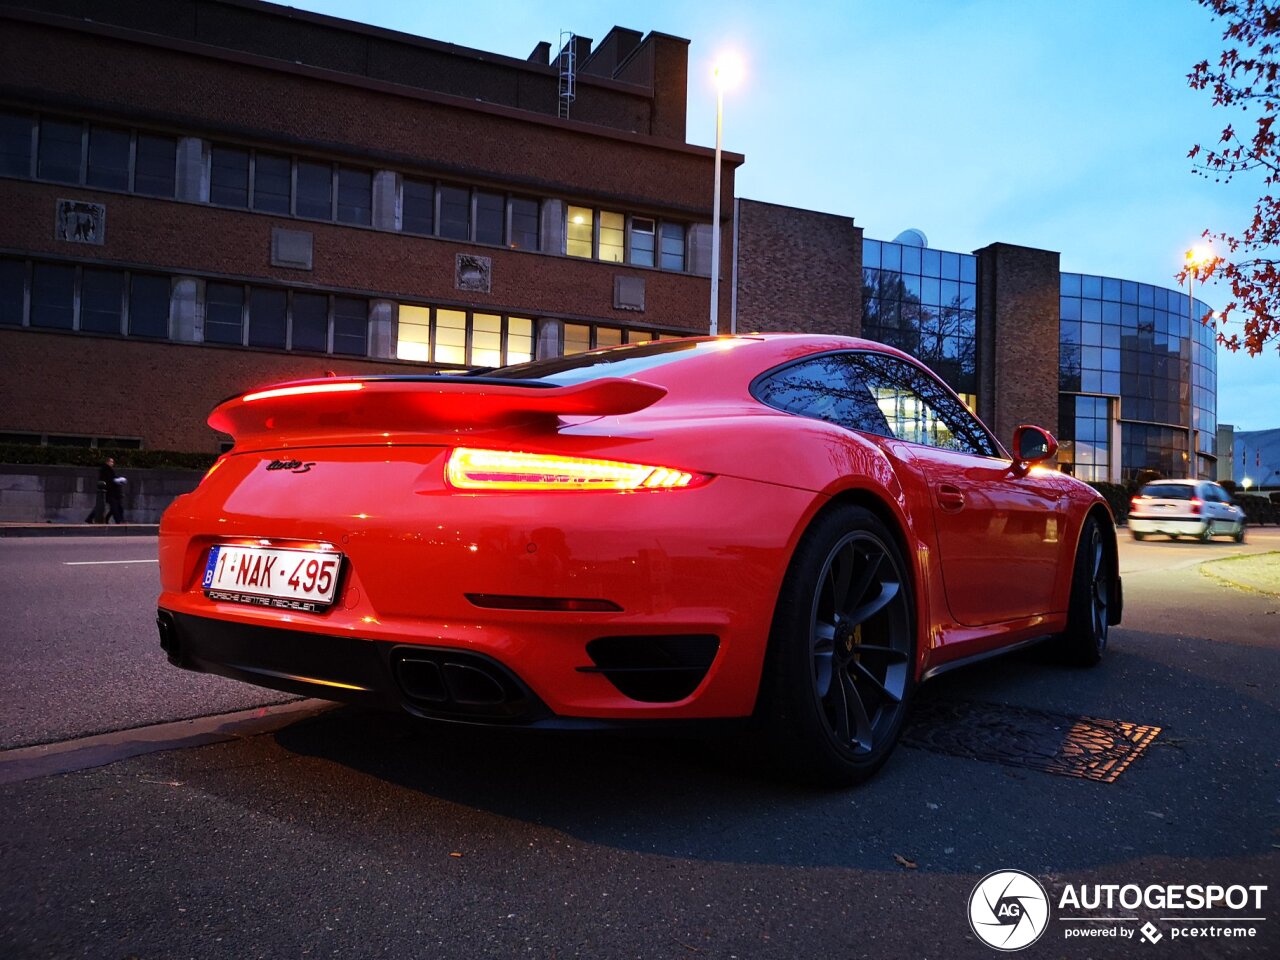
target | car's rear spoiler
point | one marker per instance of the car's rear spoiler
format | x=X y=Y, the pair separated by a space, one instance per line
x=353 y=409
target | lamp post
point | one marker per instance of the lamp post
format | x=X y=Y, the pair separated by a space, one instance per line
x=1197 y=256
x=726 y=73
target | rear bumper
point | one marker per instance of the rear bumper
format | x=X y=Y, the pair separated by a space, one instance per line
x=1182 y=526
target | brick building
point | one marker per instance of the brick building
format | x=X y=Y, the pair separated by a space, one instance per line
x=204 y=195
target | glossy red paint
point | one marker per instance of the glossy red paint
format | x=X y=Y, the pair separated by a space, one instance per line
x=990 y=544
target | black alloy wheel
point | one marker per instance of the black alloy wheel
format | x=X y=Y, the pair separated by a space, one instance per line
x=841 y=664
x=1085 y=639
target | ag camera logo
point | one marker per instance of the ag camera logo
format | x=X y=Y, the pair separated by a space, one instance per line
x=1008 y=910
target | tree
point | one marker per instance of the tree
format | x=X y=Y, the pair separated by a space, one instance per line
x=1246 y=78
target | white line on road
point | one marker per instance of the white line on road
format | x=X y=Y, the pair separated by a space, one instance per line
x=98 y=563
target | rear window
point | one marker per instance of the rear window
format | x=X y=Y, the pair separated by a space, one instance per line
x=615 y=362
x=1169 y=491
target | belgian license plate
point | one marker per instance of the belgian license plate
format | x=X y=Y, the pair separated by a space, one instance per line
x=285 y=579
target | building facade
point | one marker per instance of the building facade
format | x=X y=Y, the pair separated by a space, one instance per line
x=205 y=195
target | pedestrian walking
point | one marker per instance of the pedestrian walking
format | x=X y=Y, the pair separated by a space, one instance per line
x=99 y=512
x=114 y=484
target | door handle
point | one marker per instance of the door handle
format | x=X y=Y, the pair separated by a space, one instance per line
x=950 y=498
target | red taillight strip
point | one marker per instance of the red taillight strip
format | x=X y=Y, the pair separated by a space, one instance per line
x=299 y=391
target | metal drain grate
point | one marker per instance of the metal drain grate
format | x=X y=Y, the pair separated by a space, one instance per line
x=1084 y=747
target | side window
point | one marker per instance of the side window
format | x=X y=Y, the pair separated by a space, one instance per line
x=919 y=409
x=828 y=387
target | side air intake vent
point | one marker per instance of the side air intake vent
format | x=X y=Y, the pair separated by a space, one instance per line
x=659 y=669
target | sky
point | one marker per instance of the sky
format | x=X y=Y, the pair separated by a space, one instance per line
x=1063 y=126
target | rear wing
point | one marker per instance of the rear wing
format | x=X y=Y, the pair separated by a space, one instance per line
x=338 y=410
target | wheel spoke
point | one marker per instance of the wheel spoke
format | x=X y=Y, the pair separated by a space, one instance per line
x=876 y=682
x=840 y=705
x=840 y=573
x=856 y=712
x=869 y=570
x=889 y=653
x=888 y=590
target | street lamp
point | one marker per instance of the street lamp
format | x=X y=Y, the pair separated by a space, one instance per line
x=1197 y=257
x=726 y=73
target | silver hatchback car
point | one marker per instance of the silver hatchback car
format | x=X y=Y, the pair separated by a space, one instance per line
x=1185 y=508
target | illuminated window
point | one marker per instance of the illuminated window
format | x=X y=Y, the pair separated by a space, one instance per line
x=579 y=232
x=642 y=234
x=612 y=232
x=608 y=336
x=639 y=336
x=519 y=339
x=577 y=338
x=450 y=345
x=413 y=340
x=486 y=340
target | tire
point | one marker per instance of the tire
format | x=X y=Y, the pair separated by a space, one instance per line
x=1137 y=536
x=1238 y=536
x=841 y=662
x=1207 y=533
x=1085 y=640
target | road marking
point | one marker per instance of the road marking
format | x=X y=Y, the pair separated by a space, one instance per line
x=98 y=563
x=82 y=753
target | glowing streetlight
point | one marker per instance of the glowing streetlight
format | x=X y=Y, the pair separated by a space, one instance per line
x=727 y=73
x=1196 y=257
x=1247 y=483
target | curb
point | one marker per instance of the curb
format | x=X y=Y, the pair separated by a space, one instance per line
x=79 y=530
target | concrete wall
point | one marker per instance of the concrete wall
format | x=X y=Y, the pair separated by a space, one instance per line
x=56 y=494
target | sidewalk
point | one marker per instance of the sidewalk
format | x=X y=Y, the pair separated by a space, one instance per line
x=1259 y=572
x=8 y=529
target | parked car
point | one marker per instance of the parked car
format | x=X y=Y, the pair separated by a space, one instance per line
x=785 y=531
x=1185 y=508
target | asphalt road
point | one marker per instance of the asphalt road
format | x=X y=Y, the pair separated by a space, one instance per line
x=359 y=835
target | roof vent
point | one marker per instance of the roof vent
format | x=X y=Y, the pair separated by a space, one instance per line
x=912 y=238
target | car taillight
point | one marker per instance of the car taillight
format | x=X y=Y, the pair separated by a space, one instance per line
x=471 y=469
x=1133 y=504
x=1195 y=504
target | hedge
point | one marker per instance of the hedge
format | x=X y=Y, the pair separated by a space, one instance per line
x=1117 y=497
x=30 y=453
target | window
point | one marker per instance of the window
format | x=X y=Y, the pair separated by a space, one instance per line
x=310 y=322
x=577 y=338
x=13 y=282
x=59 y=154
x=419 y=211
x=642 y=234
x=491 y=214
x=672 y=246
x=350 y=326
x=229 y=177
x=149 y=306
x=267 y=317
x=413 y=338
x=524 y=224
x=271 y=176
x=450 y=344
x=608 y=337
x=155 y=170
x=53 y=296
x=612 y=231
x=101 y=300
x=455 y=213
x=224 y=313
x=15 y=145
x=108 y=158
x=579 y=231
x=355 y=196
x=315 y=191
x=877 y=394
x=519 y=340
x=486 y=340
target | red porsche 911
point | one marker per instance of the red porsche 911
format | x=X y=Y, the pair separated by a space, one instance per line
x=789 y=530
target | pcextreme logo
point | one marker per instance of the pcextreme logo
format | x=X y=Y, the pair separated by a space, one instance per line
x=1009 y=910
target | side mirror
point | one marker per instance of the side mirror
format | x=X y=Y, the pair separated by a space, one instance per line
x=1033 y=444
